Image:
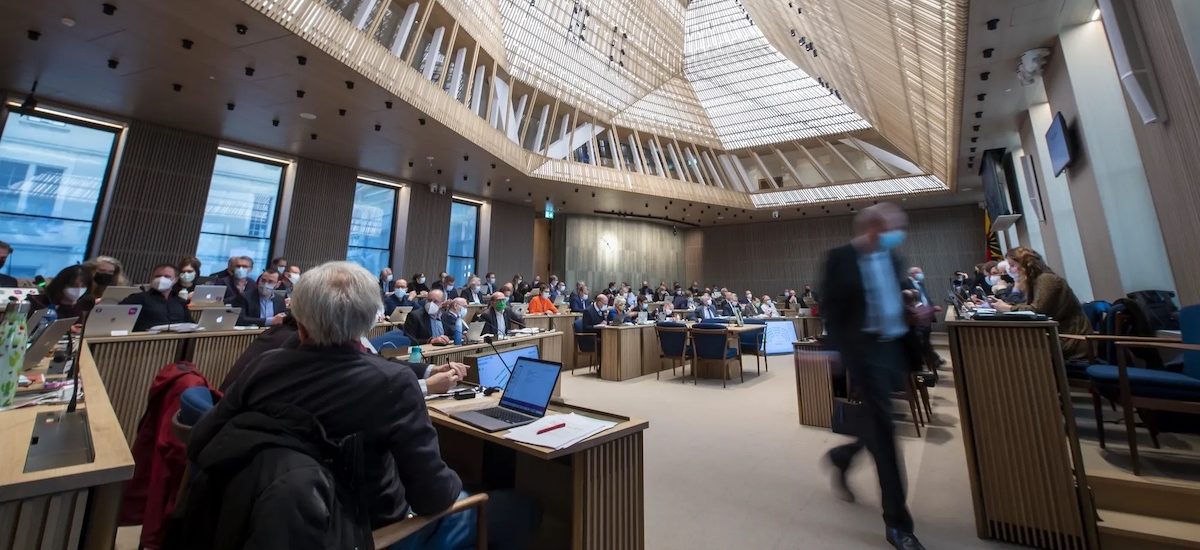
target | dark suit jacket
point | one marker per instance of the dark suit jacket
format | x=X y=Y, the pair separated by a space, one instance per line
x=511 y=320
x=591 y=318
x=7 y=281
x=252 y=313
x=728 y=309
x=157 y=310
x=844 y=303
x=578 y=304
x=705 y=312
x=231 y=290
x=466 y=295
x=396 y=300
x=419 y=325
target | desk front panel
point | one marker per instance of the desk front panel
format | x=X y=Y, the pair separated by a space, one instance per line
x=127 y=368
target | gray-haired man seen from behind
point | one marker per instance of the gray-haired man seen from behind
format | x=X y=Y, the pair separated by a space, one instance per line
x=349 y=392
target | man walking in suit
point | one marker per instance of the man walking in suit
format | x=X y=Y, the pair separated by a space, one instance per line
x=864 y=317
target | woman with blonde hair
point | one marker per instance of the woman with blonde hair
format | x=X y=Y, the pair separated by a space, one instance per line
x=105 y=271
x=1047 y=293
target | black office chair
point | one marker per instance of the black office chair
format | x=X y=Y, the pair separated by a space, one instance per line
x=587 y=344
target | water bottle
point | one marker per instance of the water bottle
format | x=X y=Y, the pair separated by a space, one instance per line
x=414 y=354
x=458 y=326
x=49 y=319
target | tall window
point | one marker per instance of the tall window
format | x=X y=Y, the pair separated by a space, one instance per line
x=464 y=230
x=51 y=172
x=239 y=217
x=371 y=226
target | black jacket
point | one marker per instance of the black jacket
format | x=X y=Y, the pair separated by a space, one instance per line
x=591 y=318
x=512 y=321
x=419 y=325
x=844 y=302
x=7 y=281
x=272 y=478
x=252 y=313
x=157 y=310
x=350 y=392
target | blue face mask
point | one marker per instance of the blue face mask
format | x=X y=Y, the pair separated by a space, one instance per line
x=890 y=240
x=920 y=276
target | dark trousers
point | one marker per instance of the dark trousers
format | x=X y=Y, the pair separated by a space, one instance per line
x=928 y=354
x=874 y=374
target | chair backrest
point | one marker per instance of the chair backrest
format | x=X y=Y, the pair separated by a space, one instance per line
x=710 y=340
x=1189 y=326
x=672 y=338
x=391 y=339
x=1096 y=311
x=752 y=338
x=585 y=342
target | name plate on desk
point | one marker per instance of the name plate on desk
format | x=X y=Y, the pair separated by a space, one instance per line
x=59 y=439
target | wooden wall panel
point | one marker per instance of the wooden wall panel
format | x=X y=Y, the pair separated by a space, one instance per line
x=158 y=197
x=639 y=251
x=769 y=257
x=318 y=228
x=693 y=256
x=511 y=243
x=428 y=232
x=541 y=249
x=1169 y=150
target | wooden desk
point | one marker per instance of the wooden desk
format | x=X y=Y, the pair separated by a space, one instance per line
x=549 y=344
x=621 y=351
x=814 y=383
x=70 y=507
x=591 y=493
x=1027 y=476
x=564 y=323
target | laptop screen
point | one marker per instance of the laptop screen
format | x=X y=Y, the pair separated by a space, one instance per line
x=529 y=389
x=493 y=373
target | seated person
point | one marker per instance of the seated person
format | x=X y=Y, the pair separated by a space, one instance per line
x=66 y=293
x=238 y=282
x=579 y=300
x=1005 y=287
x=664 y=312
x=705 y=310
x=160 y=306
x=283 y=335
x=747 y=298
x=418 y=285
x=260 y=305
x=541 y=304
x=680 y=301
x=1050 y=295
x=768 y=306
x=597 y=314
x=105 y=271
x=498 y=319
x=400 y=295
x=753 y=308
x=426 y=325
x=474 y=291
x=728 y=308
x=189 y=278
x=328 y=387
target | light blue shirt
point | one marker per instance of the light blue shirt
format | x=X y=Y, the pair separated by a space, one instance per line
x=501 y=330
x=435 y=326
x=885 y=306
x=266 y=306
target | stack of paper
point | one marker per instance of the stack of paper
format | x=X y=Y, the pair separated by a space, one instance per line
x=577 y=428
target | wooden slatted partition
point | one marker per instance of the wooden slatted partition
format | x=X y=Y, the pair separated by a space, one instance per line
x=814 y=384
x=127 y=365
x=48 y=522
x=215 y=354
x=1027 y=480
x=609 y=509
x=319 y=223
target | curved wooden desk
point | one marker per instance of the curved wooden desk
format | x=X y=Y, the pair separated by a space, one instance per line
x=70 y=507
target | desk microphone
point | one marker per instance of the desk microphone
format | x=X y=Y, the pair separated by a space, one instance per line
x=487 y=338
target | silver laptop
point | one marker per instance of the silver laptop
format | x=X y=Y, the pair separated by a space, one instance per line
x=560 y=299
x=525 y=398
x=219 y=318
x=400 y=314
x=105 y=319
x=519 y=309
x=44 y=343
x=643 y=317
x=114 y=294
x=474 y=332
x=208 y=296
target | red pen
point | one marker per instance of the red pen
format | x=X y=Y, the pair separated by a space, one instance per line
x=552 y=428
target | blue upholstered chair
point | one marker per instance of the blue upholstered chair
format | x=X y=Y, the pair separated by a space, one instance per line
x=1151 y=389
x=587 y=344
x=751 y=343
x=392 y=339
x=674 y=340
x=713 y=344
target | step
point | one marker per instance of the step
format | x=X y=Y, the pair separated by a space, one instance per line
x=1125 y=531
x=1151 y=497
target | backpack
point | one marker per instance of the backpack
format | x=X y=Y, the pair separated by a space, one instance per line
x=1159 y=309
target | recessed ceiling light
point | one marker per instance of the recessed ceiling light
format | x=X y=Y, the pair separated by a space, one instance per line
x=308 y=116
x=71 y=22
x=1095 y=15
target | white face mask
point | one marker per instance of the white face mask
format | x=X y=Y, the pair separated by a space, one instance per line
x=432 y=308
x=1016 y=275
x=163 y=284
x=241 y=272
x=402 y=290
x=187 y=276
x=491 y=280
x=280 y=268
x=74 y=294
x=992 y=279
x=546 y=295
x=294 y=277
x=421 y=280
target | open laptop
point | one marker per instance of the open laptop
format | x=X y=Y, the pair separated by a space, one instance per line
x=45 y=342
x=400 y=314
x=36 y=318
x=219 y=318
x=105 y=319
x=560 y=299
x=208 y=296
x=525 y=397
x=114 y=294
x=518 y=308
x=474 y=332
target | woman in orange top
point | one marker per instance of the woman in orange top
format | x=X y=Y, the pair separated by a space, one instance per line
x=541 y=303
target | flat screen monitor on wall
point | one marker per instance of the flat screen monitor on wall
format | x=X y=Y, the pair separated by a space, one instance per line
x=991 y=172
x=1058 y=141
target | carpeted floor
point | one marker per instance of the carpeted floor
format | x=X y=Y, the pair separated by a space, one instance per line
x=733 y=468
